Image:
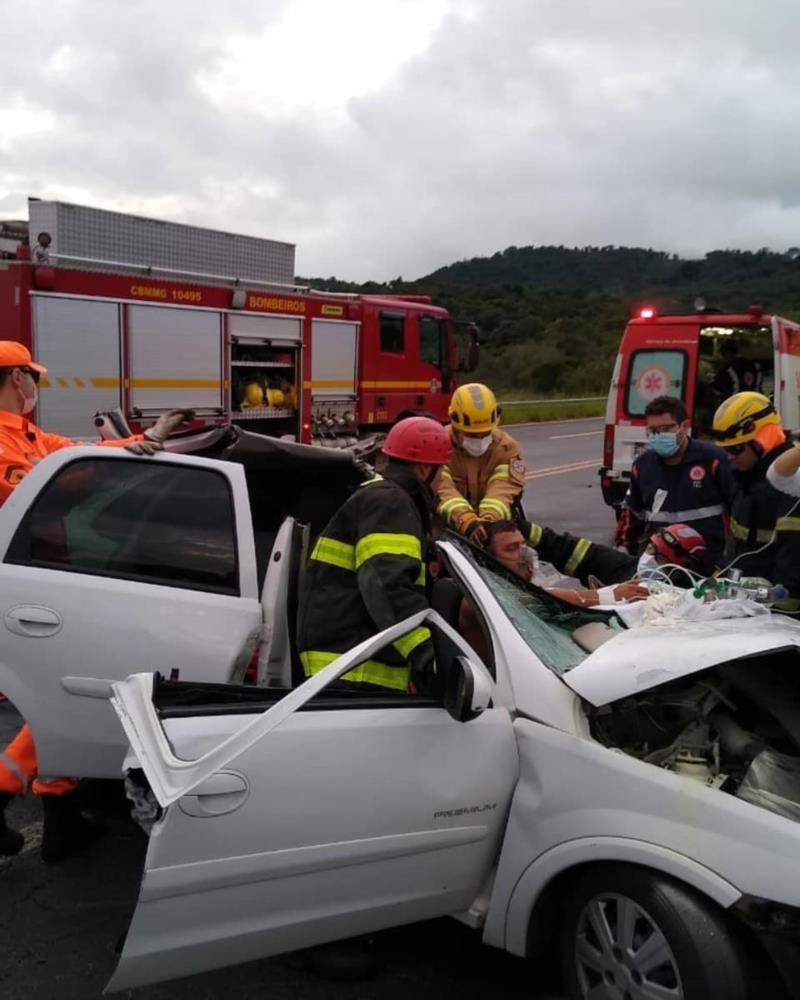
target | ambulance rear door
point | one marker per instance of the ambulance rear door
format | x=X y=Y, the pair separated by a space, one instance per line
x=786 y=340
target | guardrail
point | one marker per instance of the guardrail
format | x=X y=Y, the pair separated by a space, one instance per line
x=529 y=402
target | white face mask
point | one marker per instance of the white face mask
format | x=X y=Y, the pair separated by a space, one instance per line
x=29 y=402
x=476 y=446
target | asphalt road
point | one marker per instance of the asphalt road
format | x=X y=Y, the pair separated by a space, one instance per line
x=59 y=924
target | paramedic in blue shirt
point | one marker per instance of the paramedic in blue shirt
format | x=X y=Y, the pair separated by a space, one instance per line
x=677 y=479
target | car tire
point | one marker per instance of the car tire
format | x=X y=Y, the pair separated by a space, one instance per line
x=628 y=933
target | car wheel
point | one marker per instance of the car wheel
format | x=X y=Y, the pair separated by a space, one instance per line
x=628 y=933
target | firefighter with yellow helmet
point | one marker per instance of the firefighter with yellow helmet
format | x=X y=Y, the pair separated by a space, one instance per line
x=486 y=475
x=765 y=528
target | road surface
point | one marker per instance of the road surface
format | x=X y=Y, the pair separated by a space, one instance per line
x=59 y=925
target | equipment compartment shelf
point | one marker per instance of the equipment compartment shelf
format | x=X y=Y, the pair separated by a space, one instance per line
x=263 y=413
x=262 y=364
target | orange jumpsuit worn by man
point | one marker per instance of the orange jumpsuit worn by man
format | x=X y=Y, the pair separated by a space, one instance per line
x=486 y=475
x=22 y=445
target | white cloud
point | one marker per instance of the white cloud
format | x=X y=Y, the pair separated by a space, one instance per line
x=395 y=136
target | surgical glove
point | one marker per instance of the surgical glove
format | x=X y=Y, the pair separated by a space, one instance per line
x=144 y=447
x=167 y=423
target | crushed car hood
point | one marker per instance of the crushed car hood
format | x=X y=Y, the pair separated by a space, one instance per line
x=650 y=655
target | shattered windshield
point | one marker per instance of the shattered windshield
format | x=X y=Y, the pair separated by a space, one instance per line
x=545 y=623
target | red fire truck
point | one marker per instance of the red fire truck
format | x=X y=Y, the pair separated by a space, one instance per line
x=331 y=369
x=686 y=356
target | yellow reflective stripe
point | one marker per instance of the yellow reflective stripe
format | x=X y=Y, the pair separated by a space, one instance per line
x=500 y=472
x=787 y=524
x=368 y=672
x=407 y=643
x=384 y=544
x=497 y=507
x=375 y=479
x=582 y=546
x=340 y=554
x=449 y=508
x=420 y=580
x=742 y=533
x=535 y=534
x=446 y=473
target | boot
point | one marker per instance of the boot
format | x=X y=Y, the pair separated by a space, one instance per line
x=66 y=830
x=11 y=841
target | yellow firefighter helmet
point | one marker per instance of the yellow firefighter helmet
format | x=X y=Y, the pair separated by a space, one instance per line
x=741 y=417
x=253 y=395
x=275 y=397
x=473 y=409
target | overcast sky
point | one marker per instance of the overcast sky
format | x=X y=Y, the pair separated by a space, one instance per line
x=390 y=137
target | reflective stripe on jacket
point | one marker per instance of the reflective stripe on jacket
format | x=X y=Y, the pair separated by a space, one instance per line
x=763 y=518
x=365 y=573
x=488 y=485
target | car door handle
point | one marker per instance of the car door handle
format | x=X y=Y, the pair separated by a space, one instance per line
x=32 y=620
x=221 y=793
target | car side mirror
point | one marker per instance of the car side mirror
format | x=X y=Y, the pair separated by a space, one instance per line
x=468 y=691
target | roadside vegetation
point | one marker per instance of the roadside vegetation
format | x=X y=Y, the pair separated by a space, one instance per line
x=551 y=317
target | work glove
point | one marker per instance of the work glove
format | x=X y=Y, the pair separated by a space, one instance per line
x=474 y=528
x=144 y=447
x=422 y=665
x=167 y=423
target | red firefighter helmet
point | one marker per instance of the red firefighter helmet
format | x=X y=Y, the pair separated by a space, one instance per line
x=680 y=544
x=419 y=439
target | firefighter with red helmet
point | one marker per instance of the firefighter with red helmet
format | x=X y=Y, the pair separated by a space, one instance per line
x=486 y=476
x=367 y=568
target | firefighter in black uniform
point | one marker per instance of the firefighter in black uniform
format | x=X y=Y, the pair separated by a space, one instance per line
x=367 y=568
x=765 y=524
x=590 y=562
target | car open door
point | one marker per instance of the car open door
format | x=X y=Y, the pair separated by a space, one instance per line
x=111 y=564
x=330 y=814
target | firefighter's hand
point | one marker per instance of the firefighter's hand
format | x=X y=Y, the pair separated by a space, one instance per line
x=422 y=665
x=144 y=447
x=167 y=423
x=473 y=528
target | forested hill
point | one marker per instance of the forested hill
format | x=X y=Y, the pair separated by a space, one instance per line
x=551 y=317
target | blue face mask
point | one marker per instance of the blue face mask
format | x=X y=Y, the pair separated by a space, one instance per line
x=664 y=444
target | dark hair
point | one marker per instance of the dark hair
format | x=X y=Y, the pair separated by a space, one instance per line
x=501 y=528
x=666 y=404
x=5 y=372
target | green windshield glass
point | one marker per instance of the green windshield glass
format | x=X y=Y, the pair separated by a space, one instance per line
x=545 y=623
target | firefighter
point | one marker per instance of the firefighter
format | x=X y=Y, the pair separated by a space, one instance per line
x=679 y=544
x=765 y=528
x=22 y=445
x=676 y=479
x=486 y=476
x=367 y=568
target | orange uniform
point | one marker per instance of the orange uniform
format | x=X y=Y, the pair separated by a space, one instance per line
x=22 y=445
x=487 y=486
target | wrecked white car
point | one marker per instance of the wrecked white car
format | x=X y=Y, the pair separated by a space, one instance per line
x=627 y=797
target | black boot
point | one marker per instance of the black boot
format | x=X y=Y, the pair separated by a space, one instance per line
x=11 y=841
x=66 y=830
